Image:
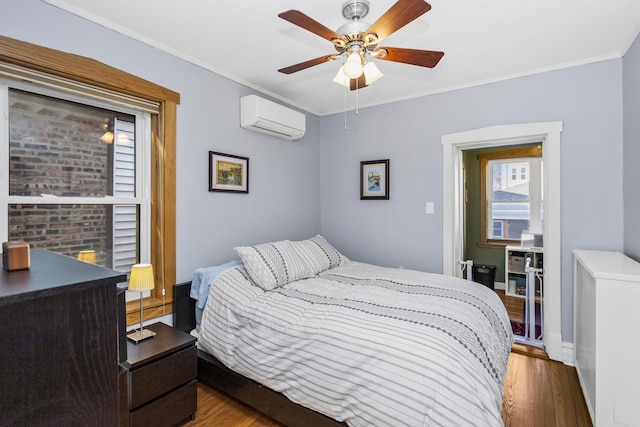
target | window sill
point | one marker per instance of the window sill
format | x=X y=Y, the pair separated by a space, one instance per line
x=498 y=245
x=151 y=308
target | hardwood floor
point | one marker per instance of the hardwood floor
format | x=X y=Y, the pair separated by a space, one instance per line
x=514 y=305
x=219 y=410
x=537 y=392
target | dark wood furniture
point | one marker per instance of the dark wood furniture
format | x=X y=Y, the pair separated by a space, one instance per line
x=59 y=338
x=162 y=380
x=215 y=374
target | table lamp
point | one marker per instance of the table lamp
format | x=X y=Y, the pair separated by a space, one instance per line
x=141 y=279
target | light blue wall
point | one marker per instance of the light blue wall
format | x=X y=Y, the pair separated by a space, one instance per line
x=587 y=99
x=284 y=180
x=287 y=177
x=631 y=84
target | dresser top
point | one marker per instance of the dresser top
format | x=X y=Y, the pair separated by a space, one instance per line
x=608 y=265
x=49 y=272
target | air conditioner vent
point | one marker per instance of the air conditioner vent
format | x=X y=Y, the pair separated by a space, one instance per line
x=261 y=115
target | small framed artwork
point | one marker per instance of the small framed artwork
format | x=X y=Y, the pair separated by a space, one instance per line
x=228 y=173
x=374 y=180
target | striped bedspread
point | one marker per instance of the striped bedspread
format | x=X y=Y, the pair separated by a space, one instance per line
x=368 y=345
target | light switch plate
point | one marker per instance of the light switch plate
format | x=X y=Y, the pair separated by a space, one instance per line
x=430 y=208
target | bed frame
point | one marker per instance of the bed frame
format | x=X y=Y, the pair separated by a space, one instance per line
x=215 y=374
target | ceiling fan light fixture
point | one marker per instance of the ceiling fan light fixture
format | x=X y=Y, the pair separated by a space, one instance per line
x=358 y=41
x=353 y=66
x=371 y=73
x=341 y=78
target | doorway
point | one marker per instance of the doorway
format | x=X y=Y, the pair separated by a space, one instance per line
x=453 y=214
x=503 y=206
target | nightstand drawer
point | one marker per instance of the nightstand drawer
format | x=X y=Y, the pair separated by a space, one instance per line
x=169 y=410
x=161 y=376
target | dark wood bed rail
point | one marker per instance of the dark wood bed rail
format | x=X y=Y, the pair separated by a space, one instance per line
x=215 y=374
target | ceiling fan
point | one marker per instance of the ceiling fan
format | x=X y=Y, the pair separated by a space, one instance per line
x=358 y=41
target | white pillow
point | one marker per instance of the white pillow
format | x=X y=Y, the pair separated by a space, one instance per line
x=273 y=264
x=319 y=254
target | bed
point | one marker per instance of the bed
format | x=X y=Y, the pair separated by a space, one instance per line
x=298 y=330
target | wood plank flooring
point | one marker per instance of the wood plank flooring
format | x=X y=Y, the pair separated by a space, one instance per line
x=514 y=305
x=537 y=392
x=542 y=392
x=219 y=410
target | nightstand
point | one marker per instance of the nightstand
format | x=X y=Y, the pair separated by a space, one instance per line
x=162 y=379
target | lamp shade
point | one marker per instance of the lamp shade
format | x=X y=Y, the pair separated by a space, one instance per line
x=88 y=256
x=341 y=78
x=353 y=66
x=371 y=72
x=141 y=278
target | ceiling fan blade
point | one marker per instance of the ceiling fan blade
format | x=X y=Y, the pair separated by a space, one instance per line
x=301 y=20
x=399 y=15
x=422 y=58
x=306 y=64
x=358 y=83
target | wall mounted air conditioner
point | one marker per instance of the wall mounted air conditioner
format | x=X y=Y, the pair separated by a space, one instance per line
x=261 y=115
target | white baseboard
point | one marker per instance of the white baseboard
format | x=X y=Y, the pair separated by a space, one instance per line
x=499 y=285
x=554 y=345
x=568 y=353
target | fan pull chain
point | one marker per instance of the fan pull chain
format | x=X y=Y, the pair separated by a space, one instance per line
x=357 y=98
x=345 y=108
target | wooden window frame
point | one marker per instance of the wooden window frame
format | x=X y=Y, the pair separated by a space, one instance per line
x=163 y=148
x=510 y=153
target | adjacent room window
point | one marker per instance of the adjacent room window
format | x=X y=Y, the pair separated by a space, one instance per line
x=78 y=178
x=512 y=197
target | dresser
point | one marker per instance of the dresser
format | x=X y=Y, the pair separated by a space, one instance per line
x=606 y=319
x=59 y=339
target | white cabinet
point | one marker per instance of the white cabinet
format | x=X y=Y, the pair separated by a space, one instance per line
x=515 y=261
x=605 y=334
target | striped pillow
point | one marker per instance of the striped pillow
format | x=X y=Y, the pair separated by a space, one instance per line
x=319 y=254
x=273 y=264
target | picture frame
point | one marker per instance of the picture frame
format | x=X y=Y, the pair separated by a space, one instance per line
x=374 y=180
x=228 y=172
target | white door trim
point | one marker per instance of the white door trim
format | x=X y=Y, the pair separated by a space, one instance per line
x=452 y=227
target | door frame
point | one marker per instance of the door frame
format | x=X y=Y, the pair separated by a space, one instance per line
x=548 y=133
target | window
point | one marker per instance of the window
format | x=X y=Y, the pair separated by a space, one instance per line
x=28 y=62
x=498 y=227
x=511 y=202
x=78 y=181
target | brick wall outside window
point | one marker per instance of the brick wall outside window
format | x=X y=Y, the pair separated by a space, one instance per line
x=58 y=152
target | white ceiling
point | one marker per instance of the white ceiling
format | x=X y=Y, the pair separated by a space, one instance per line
x=484 y=41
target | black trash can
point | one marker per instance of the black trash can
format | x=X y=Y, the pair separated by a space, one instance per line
x=484 y=274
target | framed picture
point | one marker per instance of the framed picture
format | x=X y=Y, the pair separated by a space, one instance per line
x=374 y=180
x=228 y=173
